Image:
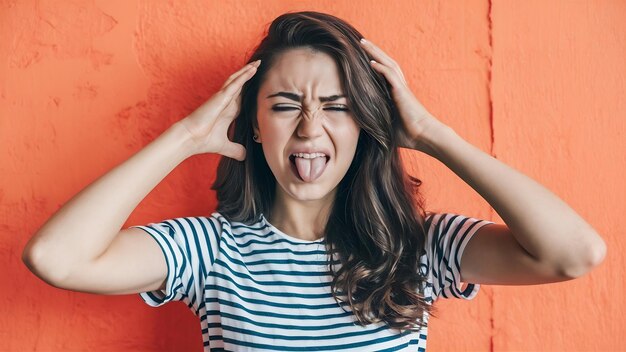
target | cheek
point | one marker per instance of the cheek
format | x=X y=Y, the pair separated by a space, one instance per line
x=345 y=136
x=270 y=129
x=274 y=141
x=346 y=128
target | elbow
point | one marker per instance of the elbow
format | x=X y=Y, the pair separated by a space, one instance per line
x=592 y=258
x=33 y=258
x=598 y=253
x=28 y=256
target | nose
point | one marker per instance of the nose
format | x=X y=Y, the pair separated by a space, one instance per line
x=310 y=126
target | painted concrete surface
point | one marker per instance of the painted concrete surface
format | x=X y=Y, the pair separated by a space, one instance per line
x=559 y=73
x=537 y=84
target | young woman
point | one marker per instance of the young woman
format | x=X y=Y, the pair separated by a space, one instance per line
x=320 y=240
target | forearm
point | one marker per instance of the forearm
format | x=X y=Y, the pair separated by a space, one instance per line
x=540 y=221
x=87 y=224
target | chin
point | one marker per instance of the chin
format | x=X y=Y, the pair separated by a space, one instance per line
x=306 y=192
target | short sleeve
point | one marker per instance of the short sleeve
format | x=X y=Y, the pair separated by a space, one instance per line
x=189 y=245
x=446 y=237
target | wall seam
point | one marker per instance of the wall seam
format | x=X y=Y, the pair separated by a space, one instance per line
x=491 y=146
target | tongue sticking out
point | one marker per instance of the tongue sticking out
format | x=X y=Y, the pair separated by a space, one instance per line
x=310 y=169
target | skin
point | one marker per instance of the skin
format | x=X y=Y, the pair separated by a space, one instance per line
x=302 y=208
x=544 y=240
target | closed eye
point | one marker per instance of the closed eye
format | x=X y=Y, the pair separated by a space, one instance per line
x=282 y=108
x=288 y=108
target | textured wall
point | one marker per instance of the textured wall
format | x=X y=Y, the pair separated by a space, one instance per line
x=537 y=84
x=557 y=92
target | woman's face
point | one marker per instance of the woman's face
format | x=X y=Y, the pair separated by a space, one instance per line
x=301 y=108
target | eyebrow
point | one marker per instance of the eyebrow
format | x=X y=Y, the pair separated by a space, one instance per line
x=298 y=98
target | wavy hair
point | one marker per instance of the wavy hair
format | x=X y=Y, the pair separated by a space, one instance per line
x=375 y=228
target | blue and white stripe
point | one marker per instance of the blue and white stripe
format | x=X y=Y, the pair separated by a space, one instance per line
x=256 y=288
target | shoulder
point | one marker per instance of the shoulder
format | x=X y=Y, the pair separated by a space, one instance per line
x=447 y=234
x=444 y=222
x=198 y=225
x=201 y=231
x=236 y=232
x=230 y=225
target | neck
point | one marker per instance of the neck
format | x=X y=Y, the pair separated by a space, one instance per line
x=305 y=220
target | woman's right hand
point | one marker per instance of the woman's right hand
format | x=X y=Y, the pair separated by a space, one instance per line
x=208 y=124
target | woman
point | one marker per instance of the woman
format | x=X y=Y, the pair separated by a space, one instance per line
x=317 y=241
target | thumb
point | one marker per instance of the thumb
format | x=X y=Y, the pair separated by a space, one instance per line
x=235 y=151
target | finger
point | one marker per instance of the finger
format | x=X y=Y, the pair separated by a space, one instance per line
x=234 y=104
x=237 y=102
x=380 y=56
x=236 y=74
x=389 y=73
x=241 y=71
x=228 y=93
x=238 y=82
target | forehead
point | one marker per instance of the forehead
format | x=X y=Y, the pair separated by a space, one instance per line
x=305 y=72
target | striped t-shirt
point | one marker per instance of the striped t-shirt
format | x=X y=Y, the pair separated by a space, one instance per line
x=256 y=288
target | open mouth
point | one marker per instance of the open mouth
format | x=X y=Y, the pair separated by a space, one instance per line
x=294 y=169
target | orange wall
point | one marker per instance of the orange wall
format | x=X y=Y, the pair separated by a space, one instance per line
x=538 y=84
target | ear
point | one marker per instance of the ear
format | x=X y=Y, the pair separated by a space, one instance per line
x=258 y=133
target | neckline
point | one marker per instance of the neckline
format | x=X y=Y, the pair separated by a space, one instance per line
x=286 y=236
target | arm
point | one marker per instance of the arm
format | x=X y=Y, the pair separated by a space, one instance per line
x=542 y=236
x=81 y=247
x=544 y=240
x=87 y=224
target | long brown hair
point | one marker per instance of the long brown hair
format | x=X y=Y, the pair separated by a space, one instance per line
x=376 y=223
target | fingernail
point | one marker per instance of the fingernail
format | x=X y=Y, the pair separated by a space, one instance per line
x=363 y=40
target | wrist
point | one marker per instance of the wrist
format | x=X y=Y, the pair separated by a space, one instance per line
x=434 y=137
x=182 y=140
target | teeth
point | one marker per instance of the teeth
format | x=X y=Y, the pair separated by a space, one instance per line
x=309 y=155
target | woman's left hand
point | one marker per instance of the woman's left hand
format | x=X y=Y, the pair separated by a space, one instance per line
x=417 y=122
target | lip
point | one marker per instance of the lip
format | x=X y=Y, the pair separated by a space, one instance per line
x=310 y=150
